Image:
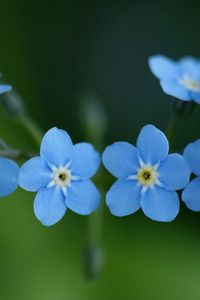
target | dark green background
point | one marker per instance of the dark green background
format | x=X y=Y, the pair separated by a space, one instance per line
x=52 y=52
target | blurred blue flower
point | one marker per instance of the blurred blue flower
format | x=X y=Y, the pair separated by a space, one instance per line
x=147 y=176
x=191 y=194
x=9 y=173
x=61 y=175
x=179 y=79
x=5 y=88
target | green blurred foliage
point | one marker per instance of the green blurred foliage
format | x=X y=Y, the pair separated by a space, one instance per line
x=51 y=52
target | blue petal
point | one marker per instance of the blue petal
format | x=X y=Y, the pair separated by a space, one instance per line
x=83 y=197
x=160 y=205
x=34 y=174
x=85 y=161
x=190 y=66
x=9 y=172
x=121 y=159
x=49 y=206
x=195 y=96
x=175 y=89
x=123 y=198
x=152 y=144
x=174 y=172
x=192 y=156
x=56 y=147
x=5 y=88
x=191 y=195
x=163 y=67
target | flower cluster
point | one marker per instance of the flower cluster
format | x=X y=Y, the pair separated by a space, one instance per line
x=148 y=177
x=179 y=79
x=61 y=177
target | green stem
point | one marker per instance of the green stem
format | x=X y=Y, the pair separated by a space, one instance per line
x=94 y=253
x=30 y=127
x=172 y=127
x=95 y=227
x=181 y=109
x=94 y=120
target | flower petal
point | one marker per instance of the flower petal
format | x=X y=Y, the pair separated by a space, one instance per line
x=5 y=88
x=56 y=147
x=196 y=97
x=85 y=161
x=49 y=206
x=152 y=144
x=191 y=195
x=174 y=172
x=34 y=174
x=121 y=159
x=123 y=198
x=163 y=67
x=175 y=89
x=160 y=205
x=190 y=66
x=83 y=197
x=192 y=156
x=9 y=172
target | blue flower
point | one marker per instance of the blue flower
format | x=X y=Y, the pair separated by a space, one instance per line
x=191 y=194
x=147 y=176
x=9 y=173
x=5 y=88
x=179 y=79
x=61 y=175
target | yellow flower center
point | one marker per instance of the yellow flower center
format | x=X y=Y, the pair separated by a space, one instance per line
x=147 y=176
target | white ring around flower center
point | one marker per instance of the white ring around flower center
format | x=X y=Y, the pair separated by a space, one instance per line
x=190 y=84
x=61 y=177
x=147 y=175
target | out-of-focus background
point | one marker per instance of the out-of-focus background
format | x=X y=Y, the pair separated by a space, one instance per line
x=54 y=53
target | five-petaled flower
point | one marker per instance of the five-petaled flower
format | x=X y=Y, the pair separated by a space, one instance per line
x=5 y=88
x=179 y=79
x=61 y=177
x=148 y=176
x=9 y=173
x=191 y=194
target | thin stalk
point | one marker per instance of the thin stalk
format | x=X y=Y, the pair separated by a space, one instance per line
x=180 y=110
x=94 y=258
x=172 y=127
x=31 y=127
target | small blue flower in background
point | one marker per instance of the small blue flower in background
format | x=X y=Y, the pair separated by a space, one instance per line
x=147 y=176
x=9 y=173
x=179 y=79
x=5 y=88
x=61 y=175
x=191 y=194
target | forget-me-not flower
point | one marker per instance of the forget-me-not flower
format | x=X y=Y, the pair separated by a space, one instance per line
x=9 y=173
x=147 y=176
x=191 y=194
x=61 y=177
x=180 y=79
x=5 y=88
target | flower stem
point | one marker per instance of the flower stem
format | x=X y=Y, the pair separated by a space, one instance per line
x=30 y=127
x=14 y=105
x=172 y=127
x=94 y=121
x=94 y=258
x=181 y=109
